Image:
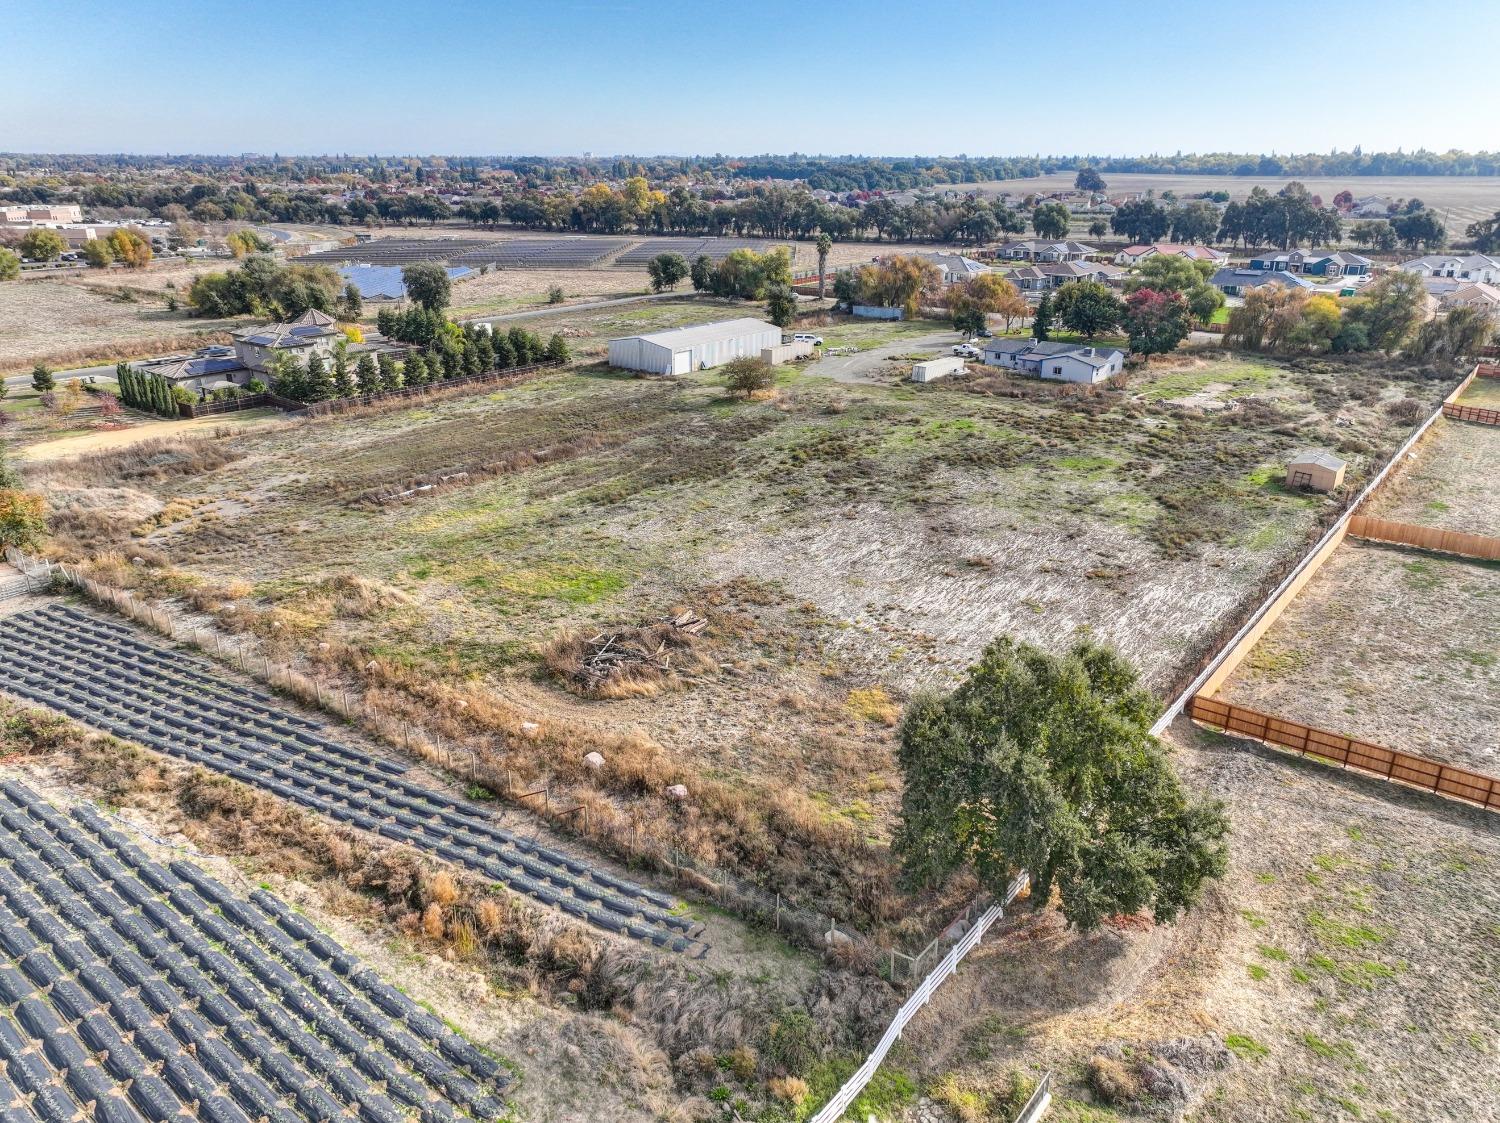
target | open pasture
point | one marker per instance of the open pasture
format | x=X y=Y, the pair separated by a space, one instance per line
x=853 y=539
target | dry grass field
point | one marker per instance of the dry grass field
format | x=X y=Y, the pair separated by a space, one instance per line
x=1448 y=482
x=1461 y=199
x=847 y=545
x=65 y=322
x=1396 y=646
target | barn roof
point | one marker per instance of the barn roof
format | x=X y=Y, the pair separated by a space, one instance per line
x=704 y=333
x=1318 y=456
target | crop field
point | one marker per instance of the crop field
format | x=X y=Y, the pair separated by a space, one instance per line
x=1461 y=199
x=64 y=659
x=847 y=544
x=138 y=992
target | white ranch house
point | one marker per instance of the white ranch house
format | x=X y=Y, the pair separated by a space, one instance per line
x=1055 y=362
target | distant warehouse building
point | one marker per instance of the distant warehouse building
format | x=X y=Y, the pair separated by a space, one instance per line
x=699 y=347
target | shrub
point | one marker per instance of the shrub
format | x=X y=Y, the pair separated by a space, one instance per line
x=1113 y=1081
x=788 y=1089
x=555 y=295
x=23 y=519
x=748 y=375
x=792 y=1042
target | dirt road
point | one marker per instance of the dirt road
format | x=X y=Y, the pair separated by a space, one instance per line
x=119 y=438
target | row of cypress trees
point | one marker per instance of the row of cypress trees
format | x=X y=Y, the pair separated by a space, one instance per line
x=455 y=353
x=150 y=393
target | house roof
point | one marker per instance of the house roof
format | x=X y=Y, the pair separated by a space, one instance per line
x=1036 y=245
x=1318 y=456
x=1254 y=278
x=1477 y=292
x=955 y=263
x=1178 y=249
x=1031 y=348
x=1469 y=261
x=704 y=333
x=177 y=368
x=305 y=330
x=1312 y=257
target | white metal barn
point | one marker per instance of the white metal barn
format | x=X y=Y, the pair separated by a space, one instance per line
x=683 y=350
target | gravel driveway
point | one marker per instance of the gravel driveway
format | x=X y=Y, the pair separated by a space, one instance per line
x=862 y=365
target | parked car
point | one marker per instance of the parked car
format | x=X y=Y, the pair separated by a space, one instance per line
x=808 y=337
x=984 y=333
x=967 y=351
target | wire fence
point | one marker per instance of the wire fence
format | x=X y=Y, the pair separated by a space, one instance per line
x=835 y=1107
x=766 y=907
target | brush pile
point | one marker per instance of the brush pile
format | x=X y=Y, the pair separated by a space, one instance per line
x=628 y=662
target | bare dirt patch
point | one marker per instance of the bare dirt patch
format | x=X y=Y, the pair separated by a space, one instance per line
x=1396 y=646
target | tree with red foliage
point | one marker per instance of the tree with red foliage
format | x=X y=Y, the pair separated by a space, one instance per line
x=1156 y=321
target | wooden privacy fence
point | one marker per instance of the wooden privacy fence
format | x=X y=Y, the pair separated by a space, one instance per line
x=1349 y=752
x=1477 y=414
x=227 y=405
x=835 y=1107
x=1458 y=542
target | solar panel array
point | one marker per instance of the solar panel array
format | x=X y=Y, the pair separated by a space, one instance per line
x=132 y=991
x=394 y=251
x=543 y=253
x=717 y=249
x=106 y=674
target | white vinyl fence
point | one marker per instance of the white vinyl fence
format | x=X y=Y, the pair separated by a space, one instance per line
x=35 y=576
x=835 y=1108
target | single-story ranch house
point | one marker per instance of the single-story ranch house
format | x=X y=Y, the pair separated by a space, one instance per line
x=1056 y=362
x=1134 y=255
x=1237 y=282
x=1317 y=263
x=1054 y=274
x=1034 y=249
x=1473 y=267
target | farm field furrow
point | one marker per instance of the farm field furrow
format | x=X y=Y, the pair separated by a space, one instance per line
x=59 y=657
x=154 y=990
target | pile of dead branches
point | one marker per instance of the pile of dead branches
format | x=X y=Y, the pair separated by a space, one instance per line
x=628 y=662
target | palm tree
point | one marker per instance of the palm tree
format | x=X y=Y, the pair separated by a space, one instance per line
x=825 y=244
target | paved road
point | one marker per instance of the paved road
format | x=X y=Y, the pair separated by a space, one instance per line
x=23 y=380
x=861 y=366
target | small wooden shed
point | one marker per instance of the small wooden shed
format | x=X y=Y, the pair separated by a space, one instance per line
x=1315 y=469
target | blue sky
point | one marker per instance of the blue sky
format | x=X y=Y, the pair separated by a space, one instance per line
x=881 y=77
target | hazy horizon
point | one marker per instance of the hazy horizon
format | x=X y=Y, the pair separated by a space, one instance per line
x=561 y=78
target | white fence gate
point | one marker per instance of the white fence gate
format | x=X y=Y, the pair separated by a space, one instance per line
x=836 y=1107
